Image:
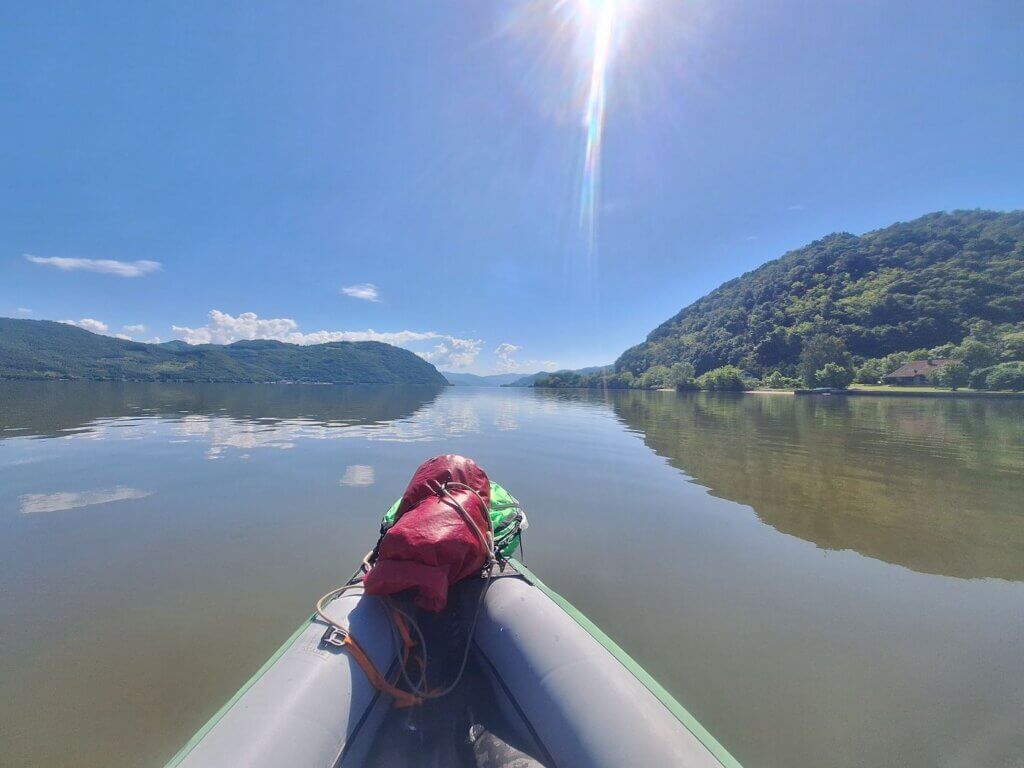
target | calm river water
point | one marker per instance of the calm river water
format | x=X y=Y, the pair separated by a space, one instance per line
x=821 y=581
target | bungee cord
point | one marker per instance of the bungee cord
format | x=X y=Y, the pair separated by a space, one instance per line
x=418 y=691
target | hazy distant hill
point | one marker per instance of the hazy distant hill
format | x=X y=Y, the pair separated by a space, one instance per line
x=473 y=380
x=914 y=285
x=529 y=381
x=40 y=349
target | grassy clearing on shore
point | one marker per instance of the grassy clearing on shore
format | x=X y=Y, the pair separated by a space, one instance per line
x=890 y=388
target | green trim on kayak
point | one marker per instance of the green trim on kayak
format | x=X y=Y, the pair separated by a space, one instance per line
x=201 y=733
x=666 y=698
x=678 y=710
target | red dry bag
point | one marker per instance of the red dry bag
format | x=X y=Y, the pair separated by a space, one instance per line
x=431 y=546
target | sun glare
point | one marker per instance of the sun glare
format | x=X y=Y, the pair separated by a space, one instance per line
x=572 y=47
x=604 y=13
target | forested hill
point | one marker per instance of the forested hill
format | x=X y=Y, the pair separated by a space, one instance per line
x=39 y=349
x=921 y=285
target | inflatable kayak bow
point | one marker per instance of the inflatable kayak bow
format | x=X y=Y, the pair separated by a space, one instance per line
x=504 y=674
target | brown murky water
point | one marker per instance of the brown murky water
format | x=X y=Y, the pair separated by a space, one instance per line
x=821 y=581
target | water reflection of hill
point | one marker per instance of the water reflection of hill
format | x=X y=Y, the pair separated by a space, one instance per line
x=53 y=409
x=933 y=485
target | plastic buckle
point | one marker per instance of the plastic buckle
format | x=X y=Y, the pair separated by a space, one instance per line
x=334 y=636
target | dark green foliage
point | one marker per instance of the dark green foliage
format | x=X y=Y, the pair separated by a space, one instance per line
x=655 y=377
x=953 y=376
x=728 y=378
x=1013 y=346
x=531 y=380
x=777 y=380
x=872 y=371
x=819 y=352
x=976 y=354
x=39 y=349
x=833 y=375
x=1000 y=377
x=917 y=285
x=603 y=377
x=681 y=376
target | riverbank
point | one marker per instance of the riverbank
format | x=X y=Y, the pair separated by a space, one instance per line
x=883 y=391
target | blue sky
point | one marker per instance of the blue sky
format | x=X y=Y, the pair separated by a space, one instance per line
x=164 y=161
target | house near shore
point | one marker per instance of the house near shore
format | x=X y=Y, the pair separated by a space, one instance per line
x=916 y=372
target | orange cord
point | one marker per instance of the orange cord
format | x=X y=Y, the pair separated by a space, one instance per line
x=403 y=699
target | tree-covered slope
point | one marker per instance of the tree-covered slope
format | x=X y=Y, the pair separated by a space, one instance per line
x=915 y=285
x=39 y=349
x=533 y=378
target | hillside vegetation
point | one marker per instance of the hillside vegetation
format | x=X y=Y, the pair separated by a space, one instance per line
x=532 y=379
x=848 y=306
x=39 y=349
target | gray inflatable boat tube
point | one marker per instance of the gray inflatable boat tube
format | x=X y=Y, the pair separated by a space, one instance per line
x=307 y=704
x=587 y=702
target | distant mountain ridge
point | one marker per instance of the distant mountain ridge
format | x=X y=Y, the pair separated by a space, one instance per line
x=41 y=349
x=476 y=380
x=530 y=380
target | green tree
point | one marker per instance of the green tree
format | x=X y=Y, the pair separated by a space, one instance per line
x=818 y=351
x=976 y=354
x=943 y=350
x=954 y=376
x=983 y=331
x=624 y=380
x=728 y=378
x=681 y=376
x=872 y=371
x=655 y=377
x=1013 y=346
x=1006 y=376
x=833 y=375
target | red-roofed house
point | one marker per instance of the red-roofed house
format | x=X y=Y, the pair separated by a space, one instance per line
x=916 y=371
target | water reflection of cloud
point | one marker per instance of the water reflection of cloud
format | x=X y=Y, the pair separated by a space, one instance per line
x=32 y=503
x=84 y=433
x=224 y=435
x=358 y=475
x=451 y=418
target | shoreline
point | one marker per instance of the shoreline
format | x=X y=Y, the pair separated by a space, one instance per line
x=973 y=394
x=911 y=393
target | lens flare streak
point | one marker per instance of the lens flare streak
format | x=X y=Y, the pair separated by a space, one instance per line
x=594 y=115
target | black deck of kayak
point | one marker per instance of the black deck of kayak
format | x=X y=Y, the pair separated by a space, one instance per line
x=462 y=729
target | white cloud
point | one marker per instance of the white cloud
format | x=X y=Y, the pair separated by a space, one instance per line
x=106 y=266
x=96 y=326
x=507 y=364
x=364 y=291
x=358 y=475
x=504 y=351
x=123 y=337
x=23 y=311
x=226 y=329
x=133 y=328
x=55 y=502
x=452 y=353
